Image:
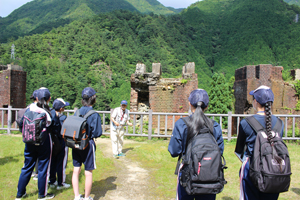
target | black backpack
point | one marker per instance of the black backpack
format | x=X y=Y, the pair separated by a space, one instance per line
x=265 y=172
x=74 y=130
x=202 y=170
x=34 y=128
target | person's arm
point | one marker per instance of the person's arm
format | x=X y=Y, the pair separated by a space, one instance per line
x=177 y=140
x=95 y=126
x=113 y=117
x=218 y=136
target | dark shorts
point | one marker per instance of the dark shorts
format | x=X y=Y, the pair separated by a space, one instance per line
x=87 y=157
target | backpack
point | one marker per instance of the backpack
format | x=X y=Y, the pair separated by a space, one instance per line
x=34 y=128
x=265 y=172
x=55 y=133
x=202 y=170
x=74 y=130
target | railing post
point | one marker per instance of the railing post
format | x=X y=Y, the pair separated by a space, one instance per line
x=9 y=119
x=229 y=128
x=111 y=112
x=150 y=125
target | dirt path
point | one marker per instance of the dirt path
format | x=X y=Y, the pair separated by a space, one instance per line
x=130 y=180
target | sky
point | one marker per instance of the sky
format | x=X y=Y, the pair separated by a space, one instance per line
x=7 y=6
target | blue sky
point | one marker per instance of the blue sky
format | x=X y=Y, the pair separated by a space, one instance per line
x=7 y=6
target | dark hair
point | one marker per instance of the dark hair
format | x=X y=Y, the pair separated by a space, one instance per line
x=198 y=121
x=269 y=129
x=32 y=98
x=88 y=101
x=43 y=104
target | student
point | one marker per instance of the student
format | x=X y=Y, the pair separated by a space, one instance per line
x=263 y=98
x=198 y=101
x=58 y=161
x=119 y=119
x=86 y=156
x=42 y=152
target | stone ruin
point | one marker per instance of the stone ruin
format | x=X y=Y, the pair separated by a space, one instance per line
x=170 y=95
x=12 y=89
x=250 y=77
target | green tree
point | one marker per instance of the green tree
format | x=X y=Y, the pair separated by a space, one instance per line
x=220 y=96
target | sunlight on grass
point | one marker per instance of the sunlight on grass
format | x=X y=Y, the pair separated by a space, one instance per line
x=152 y=155
x=11 y=162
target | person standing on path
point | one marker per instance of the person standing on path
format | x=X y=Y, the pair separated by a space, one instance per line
x=119 y=119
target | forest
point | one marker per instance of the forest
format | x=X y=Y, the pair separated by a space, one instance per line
x=102 y=50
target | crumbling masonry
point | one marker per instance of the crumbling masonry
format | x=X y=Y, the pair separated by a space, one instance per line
x=162 y=94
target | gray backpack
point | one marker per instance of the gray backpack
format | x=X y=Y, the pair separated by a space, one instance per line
x=266 y=173
x=74 y=131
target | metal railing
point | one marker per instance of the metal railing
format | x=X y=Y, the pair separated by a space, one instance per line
x=161 y=124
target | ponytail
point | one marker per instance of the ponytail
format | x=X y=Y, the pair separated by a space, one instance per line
x=269 y=132
x=198 y=121
x=43 y=104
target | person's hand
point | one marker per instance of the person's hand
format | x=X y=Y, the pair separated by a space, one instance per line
x=130 y=124
x=117 y=124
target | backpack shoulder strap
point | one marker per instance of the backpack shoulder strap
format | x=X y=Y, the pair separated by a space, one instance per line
x=278 y=126
x=89 y=113
x=254 y=124
x=258 y=127
x=185 y=119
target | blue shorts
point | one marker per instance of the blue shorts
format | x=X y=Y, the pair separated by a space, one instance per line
x=87 y=157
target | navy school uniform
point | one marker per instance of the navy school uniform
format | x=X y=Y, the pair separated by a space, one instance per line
x=59 y=161
x=94 y=130
x=33 y=152
x=247 y=137
x=177 y=146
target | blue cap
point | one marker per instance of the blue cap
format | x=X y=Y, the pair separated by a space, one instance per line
x=43 y=93
x=124 y=102
x=88 y=92
x=263 y=94
x=59 y=103
x=34 y=94
x=199 y=95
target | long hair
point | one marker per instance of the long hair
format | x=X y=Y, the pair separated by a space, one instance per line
x=198 y=121
x=42 y=103
x=89 y=101
x=269 y=133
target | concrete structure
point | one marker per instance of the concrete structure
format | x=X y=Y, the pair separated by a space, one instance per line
x=12 y=88
x=162 y=94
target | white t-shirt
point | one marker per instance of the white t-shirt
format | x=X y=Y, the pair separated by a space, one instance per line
x=120 y=116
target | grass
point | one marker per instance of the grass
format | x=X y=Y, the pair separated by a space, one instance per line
x=11 y=162
x=152 y=155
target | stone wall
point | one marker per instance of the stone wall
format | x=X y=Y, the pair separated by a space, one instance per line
x=250 y=77
x=162 y=94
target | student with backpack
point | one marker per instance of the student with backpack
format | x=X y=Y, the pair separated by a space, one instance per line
x=86 y=156
x=38 y=145
x=185 y=132
x=262 y=128
x=59 y=157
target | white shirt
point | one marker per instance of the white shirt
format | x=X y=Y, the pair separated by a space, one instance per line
x=120 y=116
